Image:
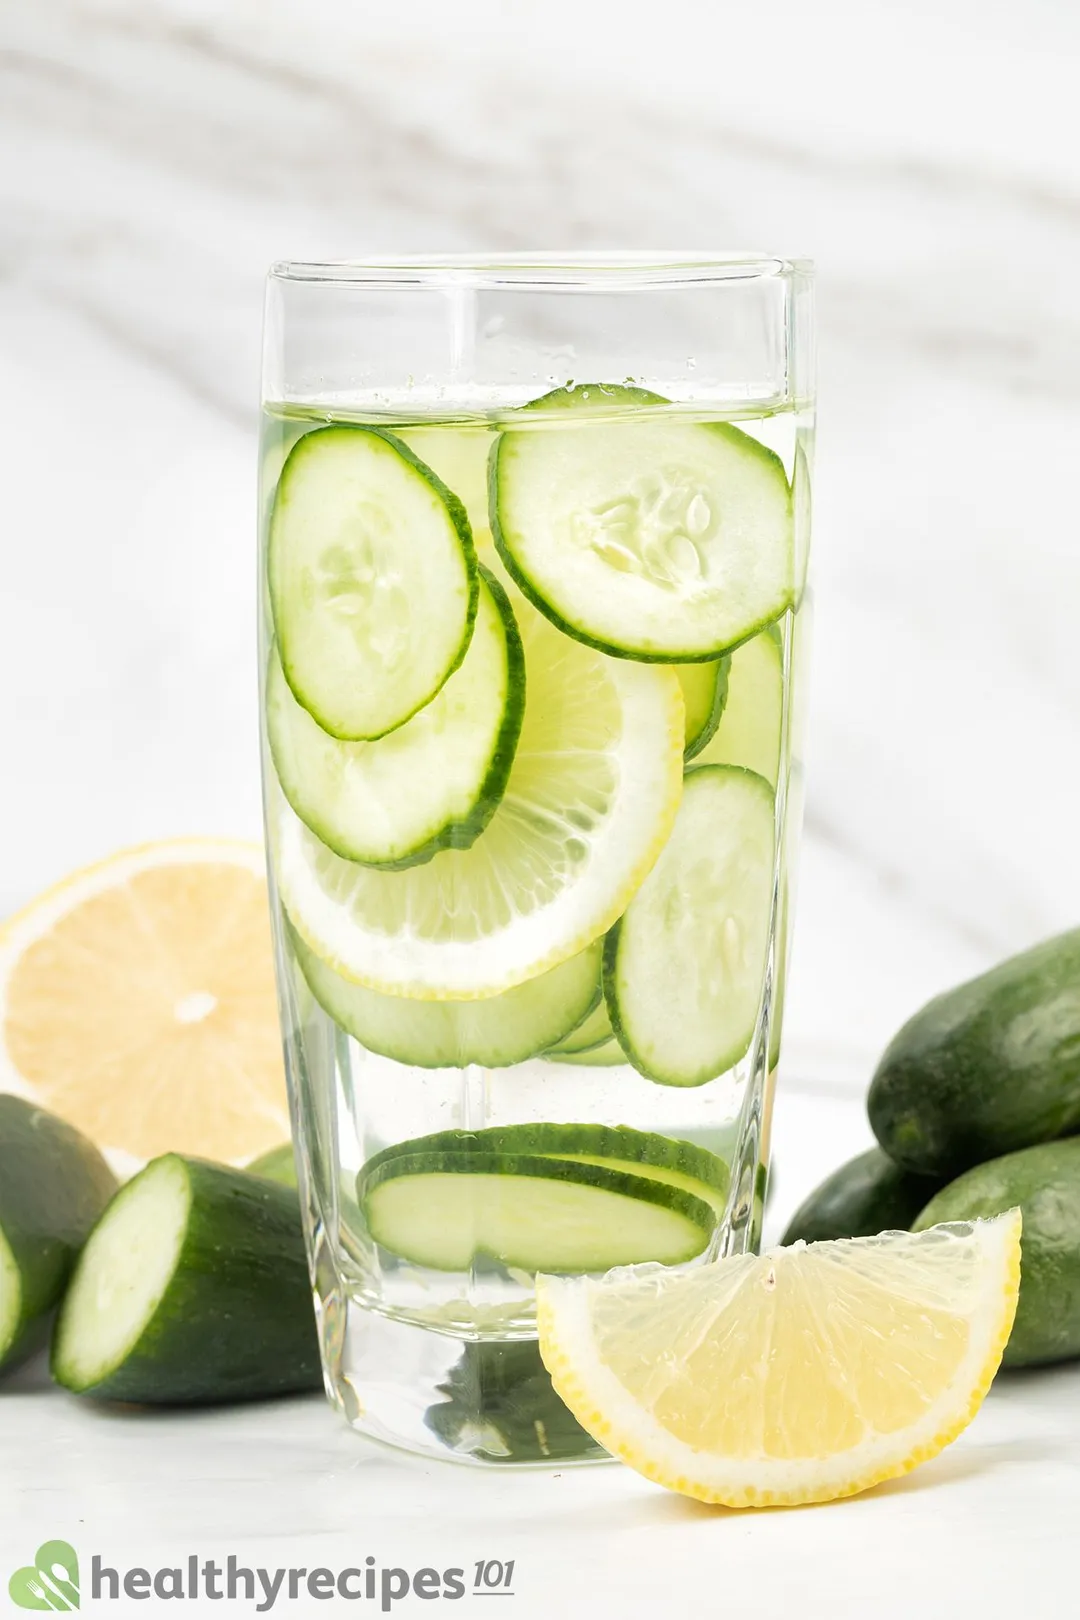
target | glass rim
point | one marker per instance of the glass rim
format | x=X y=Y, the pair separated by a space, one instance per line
x=593 y=270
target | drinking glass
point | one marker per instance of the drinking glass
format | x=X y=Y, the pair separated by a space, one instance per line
x=533 y=616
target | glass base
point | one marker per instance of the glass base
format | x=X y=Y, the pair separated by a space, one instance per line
x=487 y=1402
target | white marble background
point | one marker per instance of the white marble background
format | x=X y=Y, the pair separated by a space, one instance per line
x=155 y=155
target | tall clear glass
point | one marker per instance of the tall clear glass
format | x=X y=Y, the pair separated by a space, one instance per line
x=533 y=619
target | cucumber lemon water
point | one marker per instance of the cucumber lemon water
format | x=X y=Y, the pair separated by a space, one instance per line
x=525 y=704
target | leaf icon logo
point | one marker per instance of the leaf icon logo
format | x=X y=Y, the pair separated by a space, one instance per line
x=50 y=1582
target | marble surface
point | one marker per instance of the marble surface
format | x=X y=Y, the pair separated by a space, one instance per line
x=155 y=156
x=986 y=1529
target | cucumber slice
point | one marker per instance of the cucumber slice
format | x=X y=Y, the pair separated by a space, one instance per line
x=667 y=1159
x=444 y=1210
x=750 y=728
x=53 y=1186
x=502 y=1030
x=646 y=535
x=594 y=1030
x=432 y=784
x=193 y=1287
x=608 y=1055
x=683 y=970
x=373 y=581
x=704 y=690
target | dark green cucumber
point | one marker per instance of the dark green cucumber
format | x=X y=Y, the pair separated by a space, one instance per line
x=529 y=1213
x=279 y=1164
x=1044 y=1182
x=667 y=1159
x=53 y=1186
x=987 y=1068
x=193 y=1288
x=869 y=1194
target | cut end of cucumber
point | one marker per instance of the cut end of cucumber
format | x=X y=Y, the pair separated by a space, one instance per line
x=122 y=1275
x=10 y=1297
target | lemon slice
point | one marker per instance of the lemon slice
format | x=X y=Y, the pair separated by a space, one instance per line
x=137 y=1001
x=811 y=1373
x=591 y=798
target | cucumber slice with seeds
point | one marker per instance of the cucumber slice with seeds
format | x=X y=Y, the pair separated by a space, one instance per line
x=704 y=690
x=648 y=536
x=496 y=1032
x=684 y=969
x=193 y=1287
x=671 y=1160
x=373 y=580
x=444 y=1210
x=432 y=784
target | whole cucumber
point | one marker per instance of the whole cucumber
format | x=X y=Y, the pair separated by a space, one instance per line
x=53 y=1186
x=1045 y=1182
x=868 y=1194
x=987 y=1068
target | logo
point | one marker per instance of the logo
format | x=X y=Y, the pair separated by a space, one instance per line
x=50 y=1582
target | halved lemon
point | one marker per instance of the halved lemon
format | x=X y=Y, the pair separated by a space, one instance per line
x=137 y=1001
x=591 y=798
x=811 y=1373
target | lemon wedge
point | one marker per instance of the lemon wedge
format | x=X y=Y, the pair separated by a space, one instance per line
x=809 y=1373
